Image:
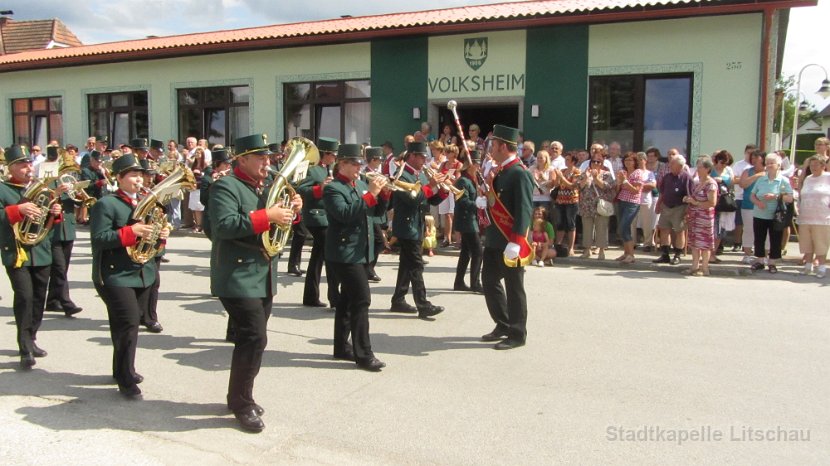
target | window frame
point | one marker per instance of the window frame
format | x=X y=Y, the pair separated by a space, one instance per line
x=640 y=104
x=31 y=115
x=203 y=106
x=111 y=110
x=316 y=103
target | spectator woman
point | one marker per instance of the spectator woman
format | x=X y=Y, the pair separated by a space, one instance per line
x=765 y=194
x=567 y=203
x=540 y=213
x=748 y=179
x=446 y=136
x=814 y=217
x=648 y=205
x=446 y=209
x=724 y=221
x=197 y=164
x=596 y=183
x=700 y=217
x=630 y=181
x=543 y=175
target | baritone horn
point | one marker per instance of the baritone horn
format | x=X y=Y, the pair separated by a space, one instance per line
x=301 y=151
x=30 y=231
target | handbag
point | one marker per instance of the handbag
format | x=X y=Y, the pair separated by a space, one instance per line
x=604 y=208
x=726 y=202
x=779 y=218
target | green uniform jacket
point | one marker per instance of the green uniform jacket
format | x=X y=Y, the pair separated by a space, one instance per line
x=314 y=212
x=408 y=222
x=350 y=238
x=239 y=267
x=65 y=231
x=204 y=197
x=514 y=186
x=465 y=219
x=93 y=176
x=111 y=265
x=40 y=254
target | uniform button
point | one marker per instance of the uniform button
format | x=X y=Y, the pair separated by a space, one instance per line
x=251 y=212
x=112 y=266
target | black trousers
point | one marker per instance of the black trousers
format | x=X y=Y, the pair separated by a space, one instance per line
x=29 y=285
x=351 y=316
x=299 y=234
x=470 y=254
x=760 y=228
x=58 y=296
x=250 y=321
x=507 y=304
x=410 y=270
x=125 y=306
x=150 y=314
x=378 y=247
x=311 y=293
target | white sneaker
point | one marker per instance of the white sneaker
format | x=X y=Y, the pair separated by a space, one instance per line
x=540 y=263
x=747 y=260
x=821 y=272
x=808 y=269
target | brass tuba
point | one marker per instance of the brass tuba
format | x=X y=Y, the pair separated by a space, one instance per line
x=150 y=210
x=299 y=150
x=31 y=232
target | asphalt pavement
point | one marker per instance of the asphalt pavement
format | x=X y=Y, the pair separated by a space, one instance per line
x=635 y=364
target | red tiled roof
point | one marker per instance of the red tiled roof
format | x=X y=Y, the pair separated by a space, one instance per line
x=495 y=16
x=20 y=36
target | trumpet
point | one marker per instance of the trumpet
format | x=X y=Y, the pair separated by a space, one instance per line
x=397 y=185
x=446 y=185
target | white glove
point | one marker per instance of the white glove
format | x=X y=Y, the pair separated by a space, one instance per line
x=511 y=251
x=481 y=202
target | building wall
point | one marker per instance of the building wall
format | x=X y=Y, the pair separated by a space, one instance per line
x=264 y=71
x=724 y=54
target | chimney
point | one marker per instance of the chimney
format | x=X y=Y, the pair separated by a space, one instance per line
x=4 y=20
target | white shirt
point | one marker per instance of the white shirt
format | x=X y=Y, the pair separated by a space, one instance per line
x=558 y=162
x=605 y=163
x=738 y=168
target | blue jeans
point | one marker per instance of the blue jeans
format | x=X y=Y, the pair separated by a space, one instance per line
x=628 y=213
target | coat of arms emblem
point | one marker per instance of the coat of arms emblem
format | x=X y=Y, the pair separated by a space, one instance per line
x=475 y=52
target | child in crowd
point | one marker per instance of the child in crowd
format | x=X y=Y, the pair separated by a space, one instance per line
x=540 y=240
x=430 y=235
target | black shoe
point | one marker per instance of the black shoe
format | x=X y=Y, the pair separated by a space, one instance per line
x=460 y=287
x=372 y=364
x=663 y=259
x=38 y=352
x=295 y=271
x=508 y=344
x=249 y=420
x=344 y=355
x=495 y=335
x=757 y=266
x=138 y=378
x=317 y=304
x=429 y=310
x=164 y=260
x=403 y=307
x=27 y=361
x=477 y=289
x=71 y=311
x=675 y=260
x=155 y=327
x=374 y=278
x=736 y=247
x=257 y=409
x=131 y=392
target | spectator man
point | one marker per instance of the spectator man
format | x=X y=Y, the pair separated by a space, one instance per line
x=673 y=187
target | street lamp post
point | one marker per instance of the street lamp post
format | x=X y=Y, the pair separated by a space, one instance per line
x=824 y=92
x=798 y=107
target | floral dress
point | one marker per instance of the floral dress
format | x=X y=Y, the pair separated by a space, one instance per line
x=701 y=220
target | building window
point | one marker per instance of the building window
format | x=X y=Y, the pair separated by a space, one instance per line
x=642 y=111
x=120 y=116
x=334 y=109
x=37 y=121
x=218 y=114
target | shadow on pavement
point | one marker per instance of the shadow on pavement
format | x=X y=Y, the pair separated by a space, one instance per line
x=94 y=403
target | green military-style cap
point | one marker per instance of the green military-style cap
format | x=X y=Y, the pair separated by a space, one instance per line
x=220 y=155
x=17 y=153
x=156 y=144
x=253 y=144
x=374 y=153
x=416 y=148
x=52 y=152
x=139 y=144
x=506 y=134
x=350 y=152
x=126 y=163
x=328 y=144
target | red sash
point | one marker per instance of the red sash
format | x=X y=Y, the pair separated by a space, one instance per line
x=503 y=220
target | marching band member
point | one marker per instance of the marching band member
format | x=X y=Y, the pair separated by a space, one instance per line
x=94 y=172
x=374 y=159
x=408 y=227
x=299 y=233
x=466 y=223
x=510 y=202
x=27 y=266
x=314 y=216
x=123 y=285
x=242 y=275
x=349 y=251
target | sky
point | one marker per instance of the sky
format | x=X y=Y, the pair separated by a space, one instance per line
x=95 y=21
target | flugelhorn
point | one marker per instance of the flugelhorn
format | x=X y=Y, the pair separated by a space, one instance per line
x=397 y=185
x=446 y=185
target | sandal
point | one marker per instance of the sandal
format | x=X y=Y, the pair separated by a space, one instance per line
x=689 y=271
x=773 y=269
x=697 y=273
x=715 y=260
x=757 y=266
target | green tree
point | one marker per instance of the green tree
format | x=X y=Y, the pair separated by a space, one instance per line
x=785 y=91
